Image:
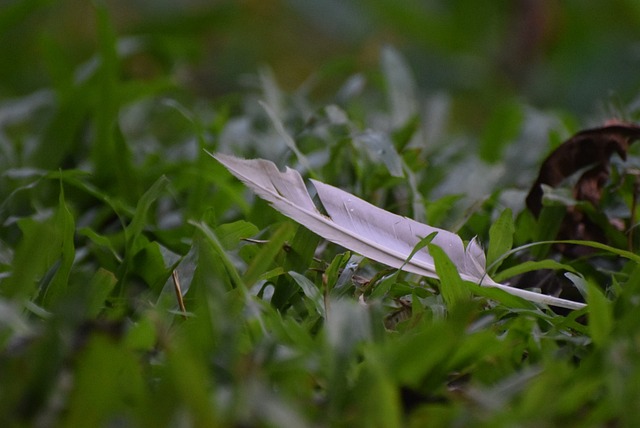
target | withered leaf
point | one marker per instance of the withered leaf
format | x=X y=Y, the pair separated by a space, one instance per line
x=590 y=149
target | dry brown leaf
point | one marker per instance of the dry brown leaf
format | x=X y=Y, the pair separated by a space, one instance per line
x=590 y=149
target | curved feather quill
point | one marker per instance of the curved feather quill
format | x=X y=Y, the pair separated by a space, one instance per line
x=366 y=229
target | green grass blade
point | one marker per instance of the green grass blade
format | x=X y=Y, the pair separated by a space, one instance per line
x=600 y=311
x=529 y=266
x=267 y=253
x=64 y=229
x=453 y=288
x=500 y=238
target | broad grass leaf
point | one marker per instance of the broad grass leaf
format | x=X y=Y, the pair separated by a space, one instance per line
x=100 y=286
x=347 y=324
x=33 y=256
x=604 y=247
x=230 y=234
x=311 y=291
x=187 y=378
x=600 y=310
x=266 y=255
x=298 y=257
x=64 y=230
x=529 y=266
x=347 y=327
x=437 y=211
x=507 y=299
x=215 y=257
x=142 y=336
x=383 y=283
x=301 y=250
x=149 y=264
x=344 y=281
x=578 y=281
x=504 y=125
x=402 y=136
x=110 y=153
x=422 y=353
x=547 y=229
x=107 y=380
x=422 y=243
x=453 y=288
x=626 y=302
x=140 y=217
x=82 y=180
x=105 y=243
x=332 y=273
x=74 y=106
x=376 y=396
x=292 y=332
x=500 y=239
x=46 y=252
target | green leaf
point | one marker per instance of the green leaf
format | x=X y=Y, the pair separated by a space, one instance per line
x=332 y=273
x=507 y=299
x=45 y=246
x=504 y=125
x=548 y=225
x=64 y=227
x=298 y=258
x=424 y=242
x=101 y=241
x=140 y=217
x=529 y=266
x=437 y=211
x=223 y=259
x=310 y=291
x=600 y=315
x=107 y=380
x=149 y=264
x=100 y=286
x=415 y=358
x=376 y=396
x=500 y=239
x=268 y=253
x=231 y=234
x=110 y=153
x=402 y=136
x=452 y=287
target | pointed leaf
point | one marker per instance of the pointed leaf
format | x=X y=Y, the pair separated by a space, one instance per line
x=500 y=238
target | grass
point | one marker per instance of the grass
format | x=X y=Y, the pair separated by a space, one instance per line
x=110 y=196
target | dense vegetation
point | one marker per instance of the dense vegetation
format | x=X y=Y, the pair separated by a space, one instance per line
x=142 y=285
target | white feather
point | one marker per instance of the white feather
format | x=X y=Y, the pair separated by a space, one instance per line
x=366 y=229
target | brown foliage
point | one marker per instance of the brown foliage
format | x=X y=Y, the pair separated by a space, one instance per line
x=588 y=150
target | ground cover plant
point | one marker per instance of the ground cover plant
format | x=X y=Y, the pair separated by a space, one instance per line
x=141 y=284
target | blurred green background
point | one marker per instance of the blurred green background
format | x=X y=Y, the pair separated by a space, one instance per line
x=582 y=57
x=438 y=110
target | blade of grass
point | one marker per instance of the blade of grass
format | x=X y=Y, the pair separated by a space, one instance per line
x=529 y=266
x=600 y=315
x=267 y=253
x=64 y=229
x=453 y=288
x=500 y=238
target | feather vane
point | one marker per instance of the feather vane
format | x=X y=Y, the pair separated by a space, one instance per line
x=366 y=229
